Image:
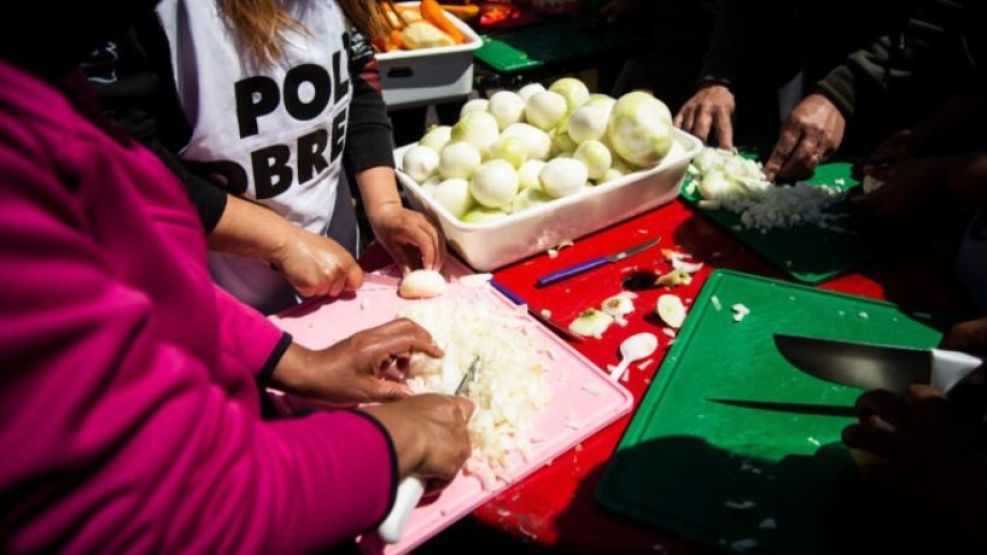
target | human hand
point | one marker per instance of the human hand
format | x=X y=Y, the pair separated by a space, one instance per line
x=315 y=265
x=969 y=337
x=408 y=236
x=809 y=135
x=908 y=189
x=365 y=367
x=429 y=435
x=891 y=152
x=711 y=108
x=926 y=451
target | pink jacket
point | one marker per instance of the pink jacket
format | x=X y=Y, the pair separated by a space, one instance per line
x=129 y=416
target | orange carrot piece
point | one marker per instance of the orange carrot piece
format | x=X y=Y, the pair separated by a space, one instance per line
x=433 y=14
x=397 y=41
x=462 y=12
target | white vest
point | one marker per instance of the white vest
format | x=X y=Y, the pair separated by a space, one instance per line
x=275 y=133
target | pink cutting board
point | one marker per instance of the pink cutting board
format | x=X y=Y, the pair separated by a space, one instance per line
x=584 y=400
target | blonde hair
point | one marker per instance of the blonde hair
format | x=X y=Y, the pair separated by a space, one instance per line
x=260 y=24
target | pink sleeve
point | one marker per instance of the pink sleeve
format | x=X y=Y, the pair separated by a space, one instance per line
x=255 y=344
x=116 y=437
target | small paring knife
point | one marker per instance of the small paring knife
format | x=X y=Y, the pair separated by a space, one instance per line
x=411 y=489
x=576 y=269
x=871 y=366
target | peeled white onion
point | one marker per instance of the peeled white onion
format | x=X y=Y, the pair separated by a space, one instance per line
x=422 y=284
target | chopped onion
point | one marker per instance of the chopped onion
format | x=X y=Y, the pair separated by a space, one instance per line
x=871 y=184
x=671 y=310
x=739 y=185
x=740 y=311
x=679 y=261
x=619 y=306
x=509 y=389
x=591 y=323
x=673 y=278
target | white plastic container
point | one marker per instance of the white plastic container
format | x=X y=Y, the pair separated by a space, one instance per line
x=490 y=245
x=419 y=77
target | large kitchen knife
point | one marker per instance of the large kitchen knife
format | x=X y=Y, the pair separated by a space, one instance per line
x=872 y=366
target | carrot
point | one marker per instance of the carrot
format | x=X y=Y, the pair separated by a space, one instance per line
x=462 y=12
x=394 y=15
x=397 y=41
x=433 y=14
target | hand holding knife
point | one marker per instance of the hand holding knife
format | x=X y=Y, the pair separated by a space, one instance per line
x=411 y=489
x=871 y=366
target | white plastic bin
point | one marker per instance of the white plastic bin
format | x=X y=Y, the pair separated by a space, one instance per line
x=419 y=77
x=490 y=245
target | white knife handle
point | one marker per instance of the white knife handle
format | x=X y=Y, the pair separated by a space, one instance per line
x=950 y=367
x=410 y=492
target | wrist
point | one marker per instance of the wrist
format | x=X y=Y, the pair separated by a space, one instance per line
x=291 y=374
x=280 y=242
x=381 y=209
x=835 y=104
x=409 y=443
x=713 y=81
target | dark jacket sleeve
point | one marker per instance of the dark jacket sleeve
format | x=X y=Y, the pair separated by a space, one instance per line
x=369 y=142
x=133 y=79
x=926 y=43
x=744 y=39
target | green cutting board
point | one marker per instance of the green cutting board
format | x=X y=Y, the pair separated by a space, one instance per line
x=807 y=253
x=549 y=43
x=698 y=461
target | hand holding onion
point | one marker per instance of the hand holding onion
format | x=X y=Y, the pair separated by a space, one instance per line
x=316 y=265
x=366 y=367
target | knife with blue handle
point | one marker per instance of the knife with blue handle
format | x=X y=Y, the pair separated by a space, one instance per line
x=575 y=270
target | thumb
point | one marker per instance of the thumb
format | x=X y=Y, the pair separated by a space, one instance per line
x=387 y=390
x=354 y=276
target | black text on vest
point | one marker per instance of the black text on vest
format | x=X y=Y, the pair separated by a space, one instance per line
x=259 y=96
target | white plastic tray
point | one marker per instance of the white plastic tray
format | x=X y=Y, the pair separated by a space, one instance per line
x=418 y=77
x=490 y=245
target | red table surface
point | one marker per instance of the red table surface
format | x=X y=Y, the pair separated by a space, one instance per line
x=556 y=506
